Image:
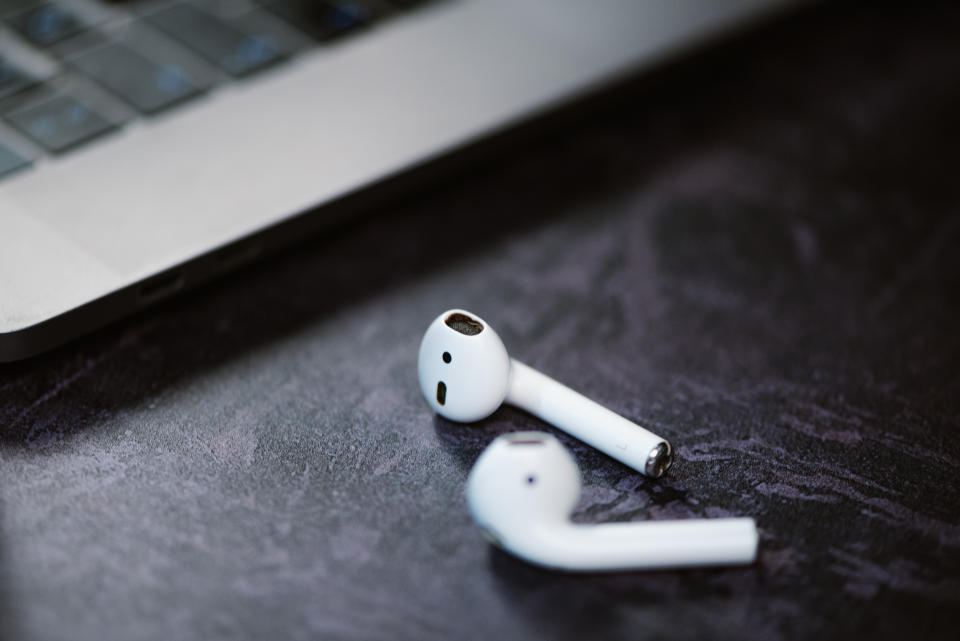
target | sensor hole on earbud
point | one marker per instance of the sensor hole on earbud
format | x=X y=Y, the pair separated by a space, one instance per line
x=531 y=480
x=523 y=438
x=441 y=393
x=446 y=357
x=463 y=324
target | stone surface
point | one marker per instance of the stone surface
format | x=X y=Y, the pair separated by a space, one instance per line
x=754 y=252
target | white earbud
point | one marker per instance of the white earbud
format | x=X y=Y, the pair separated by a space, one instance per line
x=466 y=374
x=524 y=486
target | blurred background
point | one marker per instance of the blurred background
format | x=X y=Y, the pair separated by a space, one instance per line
x=748 y=244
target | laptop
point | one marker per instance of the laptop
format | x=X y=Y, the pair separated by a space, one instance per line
x=148 y=146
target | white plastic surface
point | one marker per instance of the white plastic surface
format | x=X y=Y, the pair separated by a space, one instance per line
x=481 y=376
x=477 y=375
x=578 y=416
x=524 y=486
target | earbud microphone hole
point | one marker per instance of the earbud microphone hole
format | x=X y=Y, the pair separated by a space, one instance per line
x=446 y=357
x=441 y=392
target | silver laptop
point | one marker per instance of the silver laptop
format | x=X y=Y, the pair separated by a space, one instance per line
x=146 y=147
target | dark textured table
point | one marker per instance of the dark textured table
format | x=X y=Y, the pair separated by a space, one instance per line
x=754 y=252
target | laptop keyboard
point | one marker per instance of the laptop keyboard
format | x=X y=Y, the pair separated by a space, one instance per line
x=237 y=51
x=10 y=161
x=72 y=71
x=149 y=85
x=45 y=24
x=59 y=123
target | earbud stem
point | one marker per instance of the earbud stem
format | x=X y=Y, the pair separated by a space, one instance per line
x=588 y=421
x=642 y=546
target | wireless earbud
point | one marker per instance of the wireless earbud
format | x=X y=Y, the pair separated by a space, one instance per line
x=524 y=486
x=466 y=374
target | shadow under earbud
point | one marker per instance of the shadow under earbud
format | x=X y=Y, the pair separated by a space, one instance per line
x=465 y=441
x=590 y=605
x=605 y=604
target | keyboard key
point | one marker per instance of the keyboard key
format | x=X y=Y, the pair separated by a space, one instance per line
x=147 y=85
x=46 y=24
x=323 y=21
x=236 y=51
x=12 y=79
x=60 y=123
x=10 y=161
